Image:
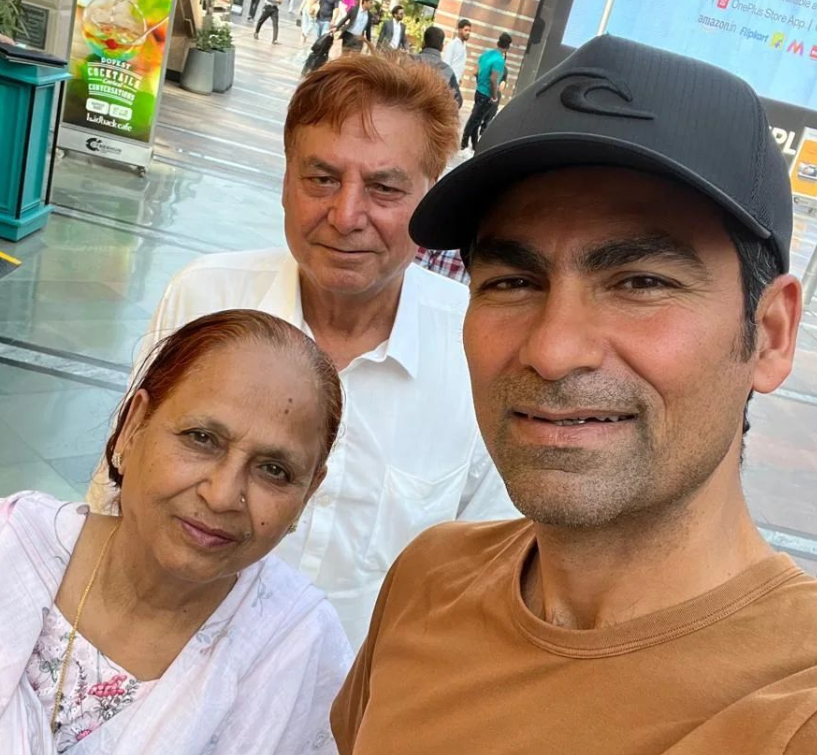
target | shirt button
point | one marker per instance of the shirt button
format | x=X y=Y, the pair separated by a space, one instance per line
x=324 y=499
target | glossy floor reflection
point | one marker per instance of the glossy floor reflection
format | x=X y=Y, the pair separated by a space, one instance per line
x=72 y=315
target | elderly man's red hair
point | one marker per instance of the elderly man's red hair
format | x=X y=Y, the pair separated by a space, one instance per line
x=352 y=85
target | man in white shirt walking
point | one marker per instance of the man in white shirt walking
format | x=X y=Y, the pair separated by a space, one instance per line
x=456 y=52
x=409 y=453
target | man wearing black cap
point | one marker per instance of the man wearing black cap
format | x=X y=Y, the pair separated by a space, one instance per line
x=626 y=223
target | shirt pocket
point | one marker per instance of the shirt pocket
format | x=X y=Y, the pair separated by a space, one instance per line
x=409 y=505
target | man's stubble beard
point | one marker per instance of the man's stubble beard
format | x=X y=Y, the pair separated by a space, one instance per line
x=579 y=489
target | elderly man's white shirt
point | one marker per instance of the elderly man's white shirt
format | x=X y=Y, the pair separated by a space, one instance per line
x=409 y=454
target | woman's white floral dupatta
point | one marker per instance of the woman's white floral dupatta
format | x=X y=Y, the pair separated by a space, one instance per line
x=258 y=677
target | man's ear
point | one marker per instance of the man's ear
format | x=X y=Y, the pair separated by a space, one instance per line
x=285 y=187
x=778 y=317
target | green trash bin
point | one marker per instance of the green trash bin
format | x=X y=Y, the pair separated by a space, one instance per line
x=27 y=95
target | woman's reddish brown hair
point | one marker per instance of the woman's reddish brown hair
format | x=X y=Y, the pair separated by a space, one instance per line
x=352 y=85
x=172 y=358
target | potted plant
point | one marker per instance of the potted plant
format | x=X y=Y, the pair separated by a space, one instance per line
x=224 y=69
x=199 y=67
x=11 y=18
x=415 y=29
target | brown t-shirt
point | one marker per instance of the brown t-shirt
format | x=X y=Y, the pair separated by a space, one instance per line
x=455 y=664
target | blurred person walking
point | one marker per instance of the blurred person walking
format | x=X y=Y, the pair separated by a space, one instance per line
x=431 y=55
x=490 y=67
x=270 y=11
x=308 y=13
x=456 y=51
x=393 y=32
x=494 y=108
x=327 y=12
x=355 y=29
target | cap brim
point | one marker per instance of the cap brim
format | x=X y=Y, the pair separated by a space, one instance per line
x=449 y=215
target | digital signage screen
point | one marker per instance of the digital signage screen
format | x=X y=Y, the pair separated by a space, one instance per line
x=772 y=44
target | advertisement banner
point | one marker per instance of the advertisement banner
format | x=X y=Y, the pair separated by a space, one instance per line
x=117 y=64
x=772 y=44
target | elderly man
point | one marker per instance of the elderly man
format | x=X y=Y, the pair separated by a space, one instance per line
x=628 y=220
x=409 y=453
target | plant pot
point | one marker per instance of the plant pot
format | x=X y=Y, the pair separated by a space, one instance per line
x=231 y=51
x=223 y=70
x=198 y=72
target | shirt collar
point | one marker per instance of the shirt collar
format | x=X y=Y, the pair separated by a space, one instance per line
x=404 y=342
x=283 y=299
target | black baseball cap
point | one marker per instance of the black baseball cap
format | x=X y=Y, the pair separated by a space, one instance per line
x=619 y=103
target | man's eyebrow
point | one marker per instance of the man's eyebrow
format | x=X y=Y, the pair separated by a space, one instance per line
x=317 y=164
x=508 y=253
x=651 y=247
x=397 y=175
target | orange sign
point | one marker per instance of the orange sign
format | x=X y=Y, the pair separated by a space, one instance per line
x=804 y=167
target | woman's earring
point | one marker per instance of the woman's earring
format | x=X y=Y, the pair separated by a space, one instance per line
x=116 y=460
x=293 y=528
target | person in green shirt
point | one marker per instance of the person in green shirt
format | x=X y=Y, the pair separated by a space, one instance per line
x=490 y=68
x=494 y=109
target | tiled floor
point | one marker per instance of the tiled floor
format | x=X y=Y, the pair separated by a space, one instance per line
x=89 y=282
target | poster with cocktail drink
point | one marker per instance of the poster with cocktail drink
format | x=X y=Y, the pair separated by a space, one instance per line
x=117 y=64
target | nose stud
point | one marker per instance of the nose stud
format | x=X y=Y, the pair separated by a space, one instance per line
x=244 y=500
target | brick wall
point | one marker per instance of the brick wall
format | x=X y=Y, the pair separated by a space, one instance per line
x=489 y=18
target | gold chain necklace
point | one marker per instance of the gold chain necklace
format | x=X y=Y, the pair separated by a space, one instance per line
x=71 y=637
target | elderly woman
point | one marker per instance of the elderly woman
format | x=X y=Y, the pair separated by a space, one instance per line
x=169 y=628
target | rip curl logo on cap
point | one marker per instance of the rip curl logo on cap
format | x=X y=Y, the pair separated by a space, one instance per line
x=575 y=96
